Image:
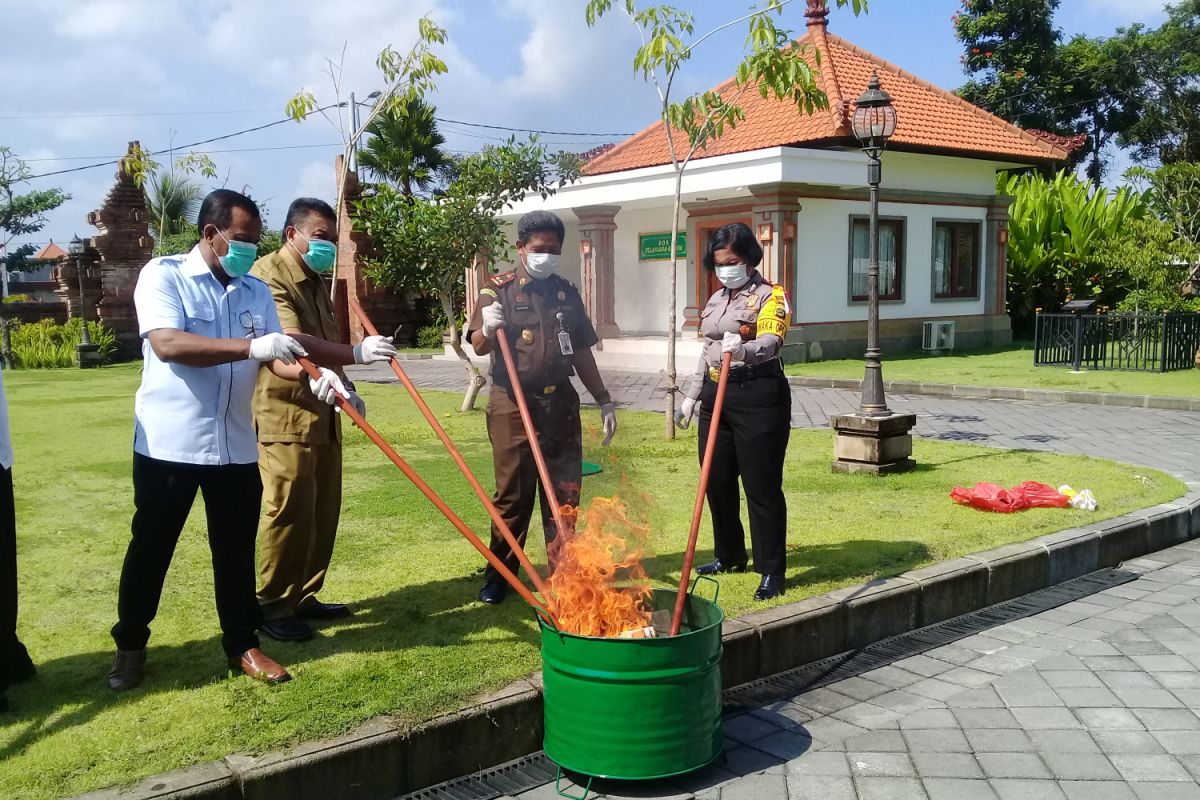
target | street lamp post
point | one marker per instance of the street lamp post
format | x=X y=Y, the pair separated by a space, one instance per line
x=874 y=123
x=86 y=353
x=354 y=125
x=874 y=440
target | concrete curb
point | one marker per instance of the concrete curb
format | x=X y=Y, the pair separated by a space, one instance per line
x=382 y=759
x=972 y=392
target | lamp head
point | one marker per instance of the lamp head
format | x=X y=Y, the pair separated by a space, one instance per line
x=874 y=119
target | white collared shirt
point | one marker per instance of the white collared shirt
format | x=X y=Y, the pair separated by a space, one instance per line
x=198 y=415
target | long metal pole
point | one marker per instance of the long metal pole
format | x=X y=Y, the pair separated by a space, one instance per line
x=873 y=403
x=685 y=574
x=84 y=337
x=353 y=131
x=493 y=512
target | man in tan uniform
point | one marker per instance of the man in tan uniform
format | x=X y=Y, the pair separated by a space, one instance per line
x=299 y=433
x=551 y=338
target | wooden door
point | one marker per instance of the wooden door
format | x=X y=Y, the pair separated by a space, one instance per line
x=707 y=283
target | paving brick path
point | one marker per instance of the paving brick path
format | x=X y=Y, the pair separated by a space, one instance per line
x=1095 y=700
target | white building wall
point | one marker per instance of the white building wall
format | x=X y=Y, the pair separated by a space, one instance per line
x=823 y=252
x=644 y=287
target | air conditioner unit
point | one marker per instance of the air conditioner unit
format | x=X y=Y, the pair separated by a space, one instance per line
x=937 y=335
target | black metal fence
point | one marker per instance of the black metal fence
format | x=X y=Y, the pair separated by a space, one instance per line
x=1149 y=343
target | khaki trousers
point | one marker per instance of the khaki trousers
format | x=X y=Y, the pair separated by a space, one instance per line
x=302 y=493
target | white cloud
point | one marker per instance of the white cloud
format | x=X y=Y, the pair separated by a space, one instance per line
x=316 y=180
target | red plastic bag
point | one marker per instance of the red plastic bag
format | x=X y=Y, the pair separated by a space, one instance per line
x=990 y=497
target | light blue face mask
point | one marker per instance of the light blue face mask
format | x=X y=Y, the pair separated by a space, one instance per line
x=321 y=255
x=240 y=258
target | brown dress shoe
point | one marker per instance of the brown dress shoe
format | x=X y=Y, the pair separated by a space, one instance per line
x=258 y=665
x=128 y=670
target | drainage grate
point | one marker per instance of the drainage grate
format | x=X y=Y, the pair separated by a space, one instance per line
x=847 y=665
x=507 y=779
x=537 y=770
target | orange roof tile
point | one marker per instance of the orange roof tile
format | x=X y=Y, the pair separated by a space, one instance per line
x=50 y=252
x=929 y=119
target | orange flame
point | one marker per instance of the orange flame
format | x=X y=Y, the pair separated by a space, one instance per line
x=599 y=584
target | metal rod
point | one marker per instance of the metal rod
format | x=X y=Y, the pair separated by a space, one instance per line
x=873 y=403
x=685 y=574
x=425 y=489
x=84 y=337
x=531 y=434
x=483 y=496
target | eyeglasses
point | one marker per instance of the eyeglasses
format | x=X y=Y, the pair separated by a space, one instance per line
x=247 y=321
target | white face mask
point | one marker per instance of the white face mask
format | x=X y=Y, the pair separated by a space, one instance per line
x=542 y=265
x=733 y=276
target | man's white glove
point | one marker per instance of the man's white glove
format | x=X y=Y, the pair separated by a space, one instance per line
x=608 y=419
x=357 y=402
x=328 y=386
x=732 y=343
x=274 y=346
x=374 y=348
x=685 y=412
x=493 y=319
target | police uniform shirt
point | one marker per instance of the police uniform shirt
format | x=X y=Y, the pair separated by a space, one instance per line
x=758 y=312
x=287 y=411
x=198 y=415
x=536 y=312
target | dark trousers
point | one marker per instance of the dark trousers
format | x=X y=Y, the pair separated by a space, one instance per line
x=163 y=494
x=14 y=659
x=556 y=420
x=751 y=444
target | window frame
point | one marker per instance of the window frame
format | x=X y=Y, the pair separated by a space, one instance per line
x=902 y=259
x=955 y=223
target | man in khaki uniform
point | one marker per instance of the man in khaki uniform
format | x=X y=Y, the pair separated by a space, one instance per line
x=299 y=432
x=551 y=338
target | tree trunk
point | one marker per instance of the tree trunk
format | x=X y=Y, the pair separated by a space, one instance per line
x=475 y=381
x=672 y=374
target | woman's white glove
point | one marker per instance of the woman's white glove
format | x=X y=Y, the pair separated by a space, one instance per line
x=685 y=412
x=493 y=319
x=328 y=386
x=275 y=346
x=374 y=348
x=608 y=419
x=732 y=343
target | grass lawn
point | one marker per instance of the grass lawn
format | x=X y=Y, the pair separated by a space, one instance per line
x=419 y=642
x=1010 y=366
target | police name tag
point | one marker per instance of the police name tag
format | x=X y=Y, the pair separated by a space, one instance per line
x=564 y=343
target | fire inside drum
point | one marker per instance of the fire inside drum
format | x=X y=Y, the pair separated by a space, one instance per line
x=635 y=709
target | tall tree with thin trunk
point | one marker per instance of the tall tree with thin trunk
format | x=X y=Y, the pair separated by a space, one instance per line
x=772 y=64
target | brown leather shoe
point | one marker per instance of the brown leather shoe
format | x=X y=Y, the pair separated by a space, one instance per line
x=128 y=670
x=258 y=665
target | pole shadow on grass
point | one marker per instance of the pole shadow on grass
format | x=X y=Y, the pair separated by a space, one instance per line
x=71 y=691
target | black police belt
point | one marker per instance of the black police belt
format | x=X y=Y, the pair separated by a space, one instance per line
x=538 y=388
x=747 y=372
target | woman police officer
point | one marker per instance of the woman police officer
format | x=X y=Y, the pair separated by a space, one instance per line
x=747 y=318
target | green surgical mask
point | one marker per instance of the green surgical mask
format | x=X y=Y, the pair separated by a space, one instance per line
x=240 y=258
x=321 y=255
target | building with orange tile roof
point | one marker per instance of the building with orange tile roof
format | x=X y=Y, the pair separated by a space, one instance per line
x=798 y=180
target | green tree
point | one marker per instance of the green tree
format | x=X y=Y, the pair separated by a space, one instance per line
x=173 y=202
x=404 y=147
x=1156 y=263
x=426 y=246
x=21 y=214
x=772 y=65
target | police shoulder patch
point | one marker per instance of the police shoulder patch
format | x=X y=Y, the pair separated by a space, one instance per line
x=489 y=292
x=503 y=279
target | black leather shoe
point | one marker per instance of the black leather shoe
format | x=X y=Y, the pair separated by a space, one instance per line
x=493 y=593
x=287 y=629
x=24 y=670
x=770 y=586
x=719 y=567
x=315 y=609
x=128 y=670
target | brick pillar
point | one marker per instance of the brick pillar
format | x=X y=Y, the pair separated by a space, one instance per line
x=66 y=275
x=597 y=226
x=477 y=275
x=994 y=281
x=774 y=225
x=122 y=247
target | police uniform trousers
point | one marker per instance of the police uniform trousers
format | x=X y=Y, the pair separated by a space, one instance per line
x=751 y=444
x=302 y=487
x=14 y=659
x=556 y=421
x=163 y=494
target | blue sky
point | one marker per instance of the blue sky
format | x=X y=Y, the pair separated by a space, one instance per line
x=83 y=77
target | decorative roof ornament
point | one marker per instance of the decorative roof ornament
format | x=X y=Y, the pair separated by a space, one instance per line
x=818 y=13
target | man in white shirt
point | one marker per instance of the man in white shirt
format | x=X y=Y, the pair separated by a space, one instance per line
x=207 y=327
x=15 y=664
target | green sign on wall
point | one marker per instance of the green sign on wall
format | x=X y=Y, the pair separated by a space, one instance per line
x=656 y=246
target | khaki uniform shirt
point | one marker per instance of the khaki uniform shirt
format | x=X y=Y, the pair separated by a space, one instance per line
x=758 y=311
x=287 y=411
x=535 y=313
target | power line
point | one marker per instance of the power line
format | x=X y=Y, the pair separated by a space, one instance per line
x=533 y=130
x=123 y=114
x=199 y=152
x=182 y=146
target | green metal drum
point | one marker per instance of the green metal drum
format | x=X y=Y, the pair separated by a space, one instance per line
x=636 y=709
